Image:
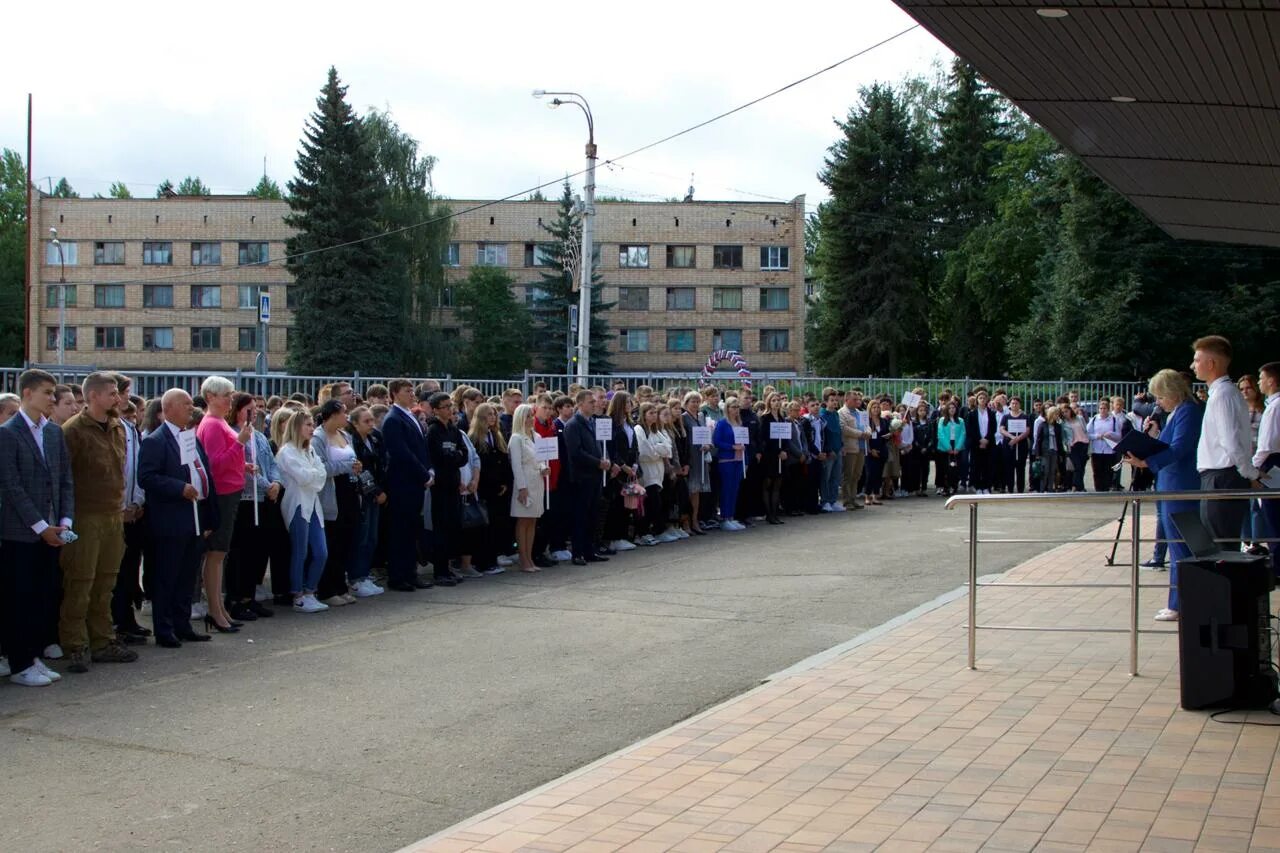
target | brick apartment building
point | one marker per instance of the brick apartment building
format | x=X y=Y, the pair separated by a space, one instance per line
x=173 y=283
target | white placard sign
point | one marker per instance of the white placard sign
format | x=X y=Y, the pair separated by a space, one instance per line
x=188 y=454
x=700 y=435
x=910 y=400
x=546 y=449
x=741 y=435
x=780 y=430
x=1016 y=426
x=604 y=429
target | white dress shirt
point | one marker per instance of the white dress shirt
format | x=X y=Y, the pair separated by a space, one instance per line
x=1099 y=427
x=1225 y=439
x=1268 y=432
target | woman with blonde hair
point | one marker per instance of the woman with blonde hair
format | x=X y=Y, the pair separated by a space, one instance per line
x=697 y=457
x=653 y=450
x=304 y=475
x=528 y=486
x=729 y=456
x=1047 y=447
x=494 y=488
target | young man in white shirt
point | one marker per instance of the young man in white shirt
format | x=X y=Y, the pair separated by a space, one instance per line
x=1269 y=444
x=1224 y=455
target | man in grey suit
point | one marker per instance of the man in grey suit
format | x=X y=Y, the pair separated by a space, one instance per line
x=36 y=507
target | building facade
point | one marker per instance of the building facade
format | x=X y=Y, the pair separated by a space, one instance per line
x=173 y=283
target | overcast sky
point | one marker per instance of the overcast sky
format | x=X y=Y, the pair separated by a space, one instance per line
x=145 y=91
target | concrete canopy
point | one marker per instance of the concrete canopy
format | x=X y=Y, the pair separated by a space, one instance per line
x=1175 y=103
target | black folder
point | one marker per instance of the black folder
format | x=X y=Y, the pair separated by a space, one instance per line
x=1139 y=444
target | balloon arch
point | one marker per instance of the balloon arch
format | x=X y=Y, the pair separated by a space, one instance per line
x=733 y=356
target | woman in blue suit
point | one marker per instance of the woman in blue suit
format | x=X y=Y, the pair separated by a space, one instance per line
x=1175 y=468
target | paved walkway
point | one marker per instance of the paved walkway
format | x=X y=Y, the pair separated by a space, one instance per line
x=894 y=744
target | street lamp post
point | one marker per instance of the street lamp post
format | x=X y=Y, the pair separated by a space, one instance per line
x=588 y=228
x=62 y=299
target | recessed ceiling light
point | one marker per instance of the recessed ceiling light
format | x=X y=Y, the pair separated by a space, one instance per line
x=1123 y=99
x=1052 y=13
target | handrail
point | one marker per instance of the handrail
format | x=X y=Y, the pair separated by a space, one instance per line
x=1134 y=499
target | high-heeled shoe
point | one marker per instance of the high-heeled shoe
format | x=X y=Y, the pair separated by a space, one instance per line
x=210 y=625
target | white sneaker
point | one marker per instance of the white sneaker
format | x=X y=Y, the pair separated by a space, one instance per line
x=261 y=593
x=669 y=536
x=472 y=572
x=562 y=556
x=730 y=524
x=839 y=508
x=1167 y=615
x=308 y=604
x=495 y=570
x=336 y=601
x=503 y=561
x=682 y=533
x=4 y=668
x=31 y=677
x=365 y=588
x=651 y=540
x=199 y=610
x=53 y=651
x=621 y=545
x=826 y=508
x=45 y=671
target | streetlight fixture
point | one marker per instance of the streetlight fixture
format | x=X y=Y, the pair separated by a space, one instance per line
x=588 y=227
x=62 y=298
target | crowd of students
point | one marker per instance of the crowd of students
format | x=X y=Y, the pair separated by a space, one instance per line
x=184 y=506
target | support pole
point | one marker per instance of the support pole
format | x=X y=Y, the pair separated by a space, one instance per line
x=1135 y=537
x=973 y=585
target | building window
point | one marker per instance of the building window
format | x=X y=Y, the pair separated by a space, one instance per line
x=726 y=339
x=727 y=299
x=51 y=338
x=775 y=340
x=775 y=299
x=108 y=296
x=157 y=296
x=634 y=340
x=775 y=257
x=247 y=295
x=536 y=296
x=157 y=254
x=105 y=253
x=206 y=296
x=727 y=257
x=206 y=254
x=453 y=255
x=680 y=340
x=491 y=254
x=69 y=257
x=680 y=298
x=633 y=257
x=248 y=336
x=444 y=297
x=633 y=299
x=51 y=295
x=206 y=338
x=291 y=296
x=157 y=338
x=253 y=253
x=682 y=257
x=538 y=255
x=108 y=337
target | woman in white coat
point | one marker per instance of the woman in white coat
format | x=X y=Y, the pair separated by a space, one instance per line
x=304 y=475
x=655 y=450
x=528 y=490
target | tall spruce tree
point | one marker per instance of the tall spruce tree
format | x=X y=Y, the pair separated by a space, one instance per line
x=497 y=323
x=556 y=295
x=869 y=258
x=13 y=259
x=349 y=315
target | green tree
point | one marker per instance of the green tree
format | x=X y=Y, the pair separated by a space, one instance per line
x=498 y=324
x=63 y=190
x=867 y=317
x=557 y=294
x=165 y=189
x=13 y=257
x=266 y=188
x=349 y=311
x=418 y=245
x=193 y=186
x=118 y=190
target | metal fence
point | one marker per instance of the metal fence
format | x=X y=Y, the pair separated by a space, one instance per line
x=152 y=383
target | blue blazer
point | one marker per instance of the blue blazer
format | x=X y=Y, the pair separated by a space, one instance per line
x=582 y=451
x=162 y=476
x=408 y=462
x=1175 y=468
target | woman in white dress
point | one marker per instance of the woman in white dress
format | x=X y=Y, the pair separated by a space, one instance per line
x=528 y=489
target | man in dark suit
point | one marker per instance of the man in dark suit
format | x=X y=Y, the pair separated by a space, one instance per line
x=584 y=464
x=408 y=477
x=36 y=505
x=980 y=425
x=171 y=489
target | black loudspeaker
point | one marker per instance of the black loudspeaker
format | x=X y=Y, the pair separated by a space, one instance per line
x=1224 y=633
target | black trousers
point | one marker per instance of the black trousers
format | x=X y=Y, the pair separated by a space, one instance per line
x=1102 y=473
x=279 y=548
x=173 y=578
x=654 y=520
x=980 y=467
x=338 y=535
x=128 y=590
x=247 y=559
x=813 y=487
x=1016 y=456
x=27 y=574
x=584 y=500
x=403 y=511
x=446 y=527
x=1225 y=519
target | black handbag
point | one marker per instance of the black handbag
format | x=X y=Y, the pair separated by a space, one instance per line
x=475 y=515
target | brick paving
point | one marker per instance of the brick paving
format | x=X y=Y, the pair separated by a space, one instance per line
x=896 y=745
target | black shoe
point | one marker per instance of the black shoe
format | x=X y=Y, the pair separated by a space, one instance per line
x=441 y=580
x=131 y=639
x=596 y=558
x=134 y=630
x=402 y=586
x=193 y=637
x=544 y=562
x=261 y=610
x=605 y=552
x=422 y=583
x=243 y=612
x=211 y=625
x=168 y=642
x=581 y=561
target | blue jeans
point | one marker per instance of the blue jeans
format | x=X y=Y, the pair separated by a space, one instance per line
x=730 y=481
x=364 y=542
x=309 y=548
x=1162 y=548
x=831 y=472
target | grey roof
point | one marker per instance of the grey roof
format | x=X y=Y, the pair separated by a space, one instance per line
x=1198 y=149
